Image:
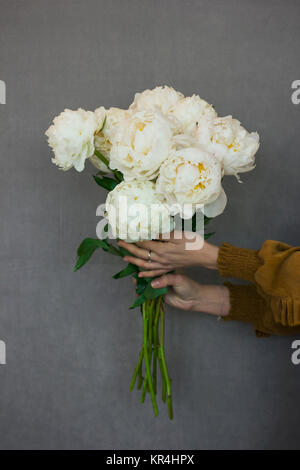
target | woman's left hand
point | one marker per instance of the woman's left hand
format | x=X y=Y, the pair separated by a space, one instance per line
x=182 y=249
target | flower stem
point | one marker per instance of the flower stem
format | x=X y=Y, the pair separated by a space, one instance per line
x=143 y=396
x=163 y=360
x=150 y=306
x=118 y=175
x=137 y=369
x=141 y=378
x=163 y=380
x=155 y=343
x=146 y=356
x=153 y=352
x=101 y=157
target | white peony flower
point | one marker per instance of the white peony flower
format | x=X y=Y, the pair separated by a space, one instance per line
x=136 y=212
x=72 y=138
x=188 y=111
x=100 y=114
x=161 y=98
x=103 y=139
x=141 y=143
x=180 y=141
x=192 y=176
x=230 y=143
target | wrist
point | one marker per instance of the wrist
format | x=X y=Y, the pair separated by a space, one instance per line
x=214 y=300
x=208 y=256
x=225 y=302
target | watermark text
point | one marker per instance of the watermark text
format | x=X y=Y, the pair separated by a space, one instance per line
x=2 y=352
x=2 y=92
x=295 y=97
x=295 y=358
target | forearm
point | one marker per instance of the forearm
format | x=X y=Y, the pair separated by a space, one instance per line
x=214 y=300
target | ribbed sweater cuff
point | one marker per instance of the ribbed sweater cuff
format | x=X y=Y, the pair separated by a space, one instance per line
x=245 y=304
x=240 y=263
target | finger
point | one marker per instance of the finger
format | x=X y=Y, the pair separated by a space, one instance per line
x=143 y=263
x=155 y=247
x=170 y=299
x=132 y=248
x=156 y=272
x=143 y=254
x=154 y=259
x=166 y=280
x=174 y=301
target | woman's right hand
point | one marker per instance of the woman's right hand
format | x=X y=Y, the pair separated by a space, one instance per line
x=186 y=294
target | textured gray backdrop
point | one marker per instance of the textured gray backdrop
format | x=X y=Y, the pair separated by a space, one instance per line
x=71 y=341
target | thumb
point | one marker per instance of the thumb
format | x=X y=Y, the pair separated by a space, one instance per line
x=166 y=280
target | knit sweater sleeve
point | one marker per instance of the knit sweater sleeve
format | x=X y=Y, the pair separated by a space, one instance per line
x=278 y=281
x=272 y=304
x=240 y=263
x=247 y=305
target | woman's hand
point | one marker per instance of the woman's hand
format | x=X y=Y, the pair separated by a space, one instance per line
x=187 y=294
x=181 y=250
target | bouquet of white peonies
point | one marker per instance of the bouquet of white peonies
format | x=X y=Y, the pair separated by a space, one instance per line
x=162 y=160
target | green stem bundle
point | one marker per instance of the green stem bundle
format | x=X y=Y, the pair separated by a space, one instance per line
x=152 y=352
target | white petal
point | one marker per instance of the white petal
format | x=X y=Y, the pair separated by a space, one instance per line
x=79 y=164
x=217 y=207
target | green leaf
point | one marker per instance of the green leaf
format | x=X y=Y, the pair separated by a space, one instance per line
x=105 y=182
x=141 y=284
x=139 y=301
x=118 y=175
x=151 y=293
x=208 y=235
x=130 y=269
x=194 y=222
x=207 y=220
x=88 y=244
x=110 y=248
x=87 y=248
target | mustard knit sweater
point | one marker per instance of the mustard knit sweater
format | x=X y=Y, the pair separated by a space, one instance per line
x=272 y=302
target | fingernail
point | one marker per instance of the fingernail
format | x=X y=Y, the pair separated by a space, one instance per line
x=155 y=283
x=140 y=275
x=125 y=258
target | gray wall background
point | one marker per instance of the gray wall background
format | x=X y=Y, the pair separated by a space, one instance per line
x=71 y=341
